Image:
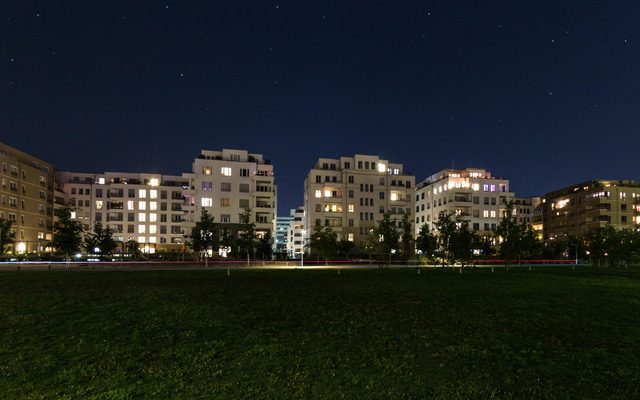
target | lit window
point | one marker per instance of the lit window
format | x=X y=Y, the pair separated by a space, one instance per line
x=318 y=194
x=225 y=171
x=100 y=181
x=327 y=193
x=394 y=196
x=153 y=205
x=475 y=186
x=142 y=239
x=350 y=207
x=154 y=182
x=142 y=205
x=153 y=217
x=73 y=215
x=485 y=213
x=142 y=229
x=493 y=213
x=207 y=202
x=152 y=230
x=98 y=204
x=142 y=217
x=350 y=237
x=153 y=194
x=225 y=202
x=493 y=188
x=485 y=187
x=142 y=193
x=206 y=170
x=381 y=167
x=152 y=239
x=130 y=205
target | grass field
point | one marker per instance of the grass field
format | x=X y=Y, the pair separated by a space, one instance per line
x=316 y=334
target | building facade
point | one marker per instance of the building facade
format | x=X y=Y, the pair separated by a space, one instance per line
x=26 y=199
x=281 y=236
x=471 y=193
x=575 y=210
x=351 y=194
x=296 y=234
x=228 y=182
x=524 y=208
x=147 y=208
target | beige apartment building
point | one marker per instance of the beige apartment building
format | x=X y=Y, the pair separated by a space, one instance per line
x=472 y=193
x=351 y=194
x=524 y=209
x=227 y=182
x=26 y=199
x=147 y=208
x=583 y=207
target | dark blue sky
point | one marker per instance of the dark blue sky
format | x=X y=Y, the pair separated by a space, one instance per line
x=544 y=93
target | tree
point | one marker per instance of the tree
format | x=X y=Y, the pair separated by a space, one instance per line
x=67 y=233
x=345 y=247
x=613 y=246
x=132 y=248
x=427 y=242
x=446 y=228
x=462 y=242
x=486 y=247
x=324 y=242
x=7 y=235
x=455 y=242
x=202 y=237
x=530 y=246
x=247 y=236
x=100 y=239
x=596 y=242
x=387 y=236
x=509 y=235
x=408 y=243
x=264 y=249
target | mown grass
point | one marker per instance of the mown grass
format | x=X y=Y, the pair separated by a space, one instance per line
x=316 y=334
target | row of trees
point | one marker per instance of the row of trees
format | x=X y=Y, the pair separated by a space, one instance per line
x=206 y=238
x=453 y=242
x=69 y=238
x=384 y=241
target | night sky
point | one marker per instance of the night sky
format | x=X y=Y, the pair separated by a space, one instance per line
x=545 y=94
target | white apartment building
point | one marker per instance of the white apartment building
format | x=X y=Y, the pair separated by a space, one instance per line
x=227 y=182
x=281 y=235
x=147 y=208
x=472 y=193
x=351 y=194
x=296 y=233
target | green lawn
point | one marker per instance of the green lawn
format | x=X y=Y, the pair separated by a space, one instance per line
x=316 y=334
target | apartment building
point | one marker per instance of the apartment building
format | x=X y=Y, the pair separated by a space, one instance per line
x=227 y=182
x=296 y=234
x=26 y=199
x=147 y=208
x=281 y=235
x=351 y=194
x=472 y=193
x=524 y=208
x=580 y=208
